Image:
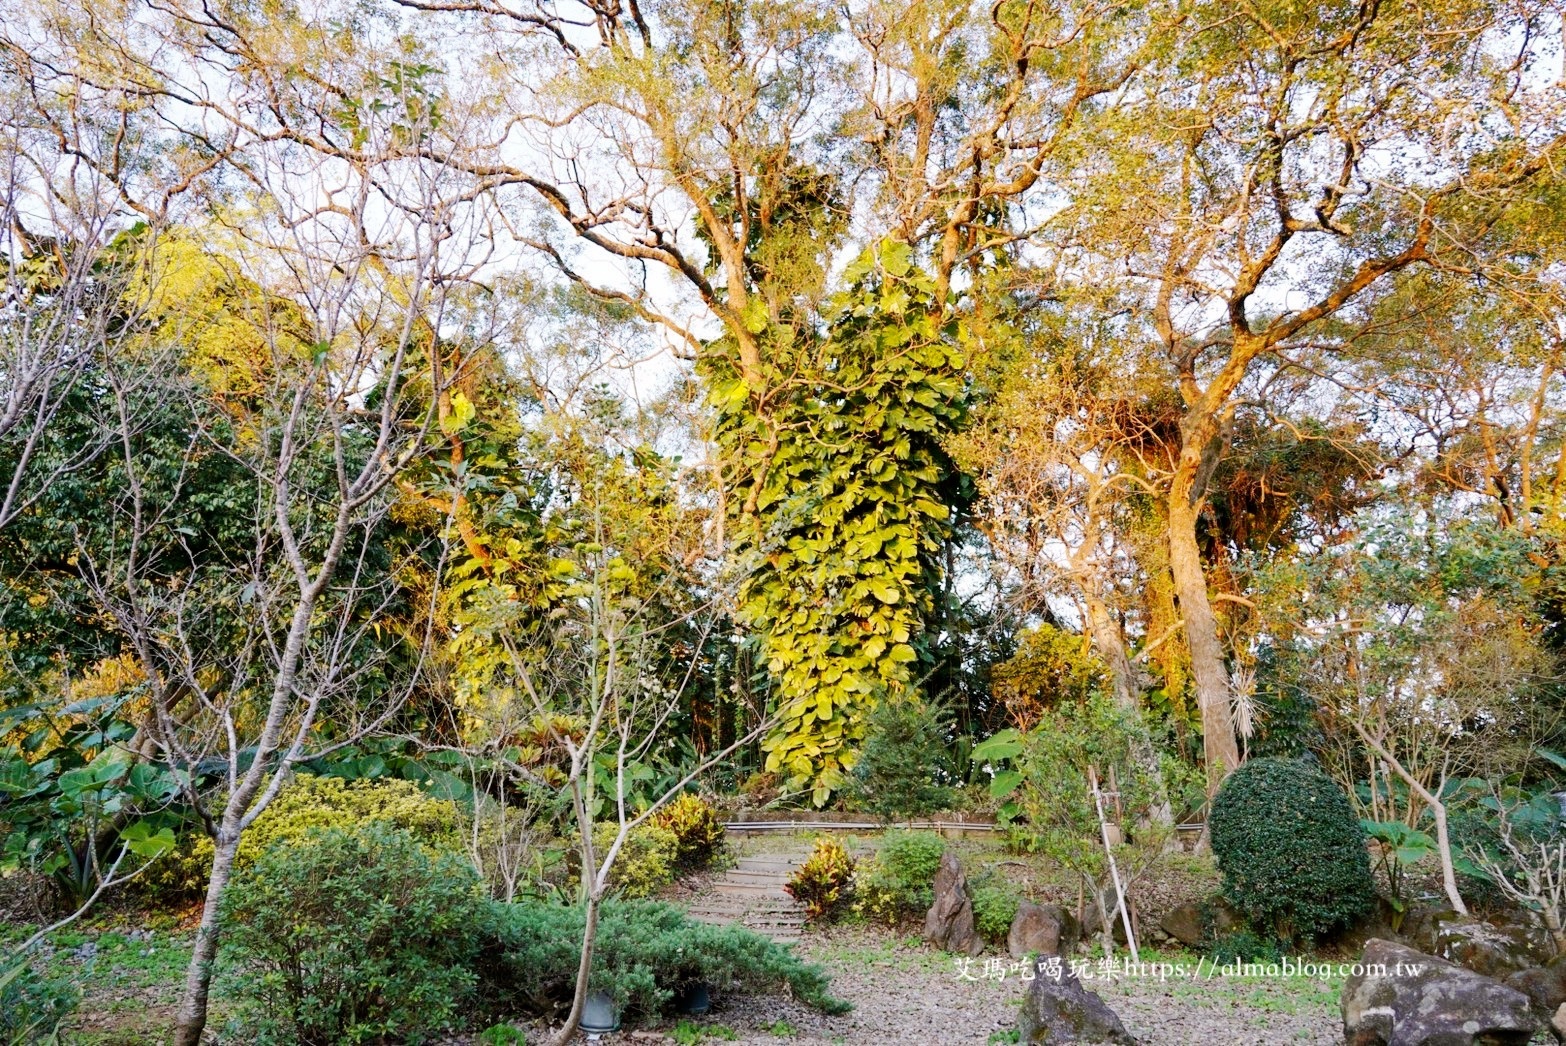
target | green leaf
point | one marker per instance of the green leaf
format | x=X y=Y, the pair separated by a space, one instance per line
x=1005 y=783
x=1003 y=745
x=141 y=840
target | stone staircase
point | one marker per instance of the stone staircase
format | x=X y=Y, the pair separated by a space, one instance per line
x=751 y=894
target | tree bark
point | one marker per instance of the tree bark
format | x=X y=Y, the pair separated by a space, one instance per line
x=191 y=1019
x=584 y=972
x=1110 y=643
x=1201 y=635
x=1111 y=647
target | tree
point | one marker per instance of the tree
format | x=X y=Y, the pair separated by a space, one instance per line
x=73 y=267
x=571 y=675
x=1424 y=640
x=686 y=136
x=1263 y=213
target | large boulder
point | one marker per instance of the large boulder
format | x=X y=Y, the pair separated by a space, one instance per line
x=949 y=923
x=1493 y=949
x=1401 y=997
x=1058 y=1009
x=1558 y=1024
x=1196 y=924
x=1545 y=985
x=1042 y=929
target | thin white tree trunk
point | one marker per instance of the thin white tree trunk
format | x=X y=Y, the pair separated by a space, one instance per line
x=1437 y=811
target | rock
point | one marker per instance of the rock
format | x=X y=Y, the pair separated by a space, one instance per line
x=1196 y=924
x=1401 y=997
x=1419 y=925
x=1486 y=947
x=1059 y=1009
x=1042 y=929
x=949 y=923
x=1090 y=920
x=1545 y=985
x=1186 y=923
x=1558 y=1024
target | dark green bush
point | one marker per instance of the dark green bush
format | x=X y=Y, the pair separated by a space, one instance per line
x=995 y=904
x=904 y=750
x=345 y=937
x=912 y=859
x=32 y=1004
x=1291 y=851
x=1245 y=947
x=646 y=951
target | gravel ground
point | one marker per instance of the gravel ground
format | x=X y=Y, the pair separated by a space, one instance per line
x=904 y=993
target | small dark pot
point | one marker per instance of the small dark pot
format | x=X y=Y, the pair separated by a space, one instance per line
x=694 y=999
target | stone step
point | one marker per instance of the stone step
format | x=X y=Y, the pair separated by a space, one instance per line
x=749 y=875
x=714 y=912
x=748 y=889
x=746 y=918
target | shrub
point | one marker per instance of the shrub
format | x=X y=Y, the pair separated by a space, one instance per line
x=698 y=833
x=1290 y=849
x=995 y=906
x=308 y=803
x=905 y=747
x=645 y=952
x=343 y=937
x=1245 y=946
x=645 y=864
x=898 y=882
x=32 y=1004
x=821 y=884
x=912 y=859
x=502 y=1035
x=876 y=893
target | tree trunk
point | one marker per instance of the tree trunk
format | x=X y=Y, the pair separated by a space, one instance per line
x=584 y=972
x=1111 y=647
x=1110 y=643
x=1437 y=811
x=1201 y=635
x=1551 y=914
x=192 y=1017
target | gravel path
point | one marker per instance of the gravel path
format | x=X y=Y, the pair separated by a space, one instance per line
x=908 y=995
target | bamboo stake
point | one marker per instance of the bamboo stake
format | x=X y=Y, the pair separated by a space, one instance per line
x=1114 y=870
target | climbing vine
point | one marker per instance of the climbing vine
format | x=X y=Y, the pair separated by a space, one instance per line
x=833 y=477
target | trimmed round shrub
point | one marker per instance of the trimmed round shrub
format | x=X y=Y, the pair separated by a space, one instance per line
x=348 y=937
x=1290 y=849
x=646 y=861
